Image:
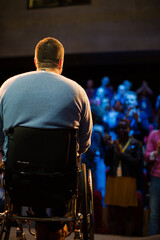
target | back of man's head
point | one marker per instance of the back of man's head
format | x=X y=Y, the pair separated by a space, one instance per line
x=48 y=53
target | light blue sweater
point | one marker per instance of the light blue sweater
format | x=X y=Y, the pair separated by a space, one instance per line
x=44 y=99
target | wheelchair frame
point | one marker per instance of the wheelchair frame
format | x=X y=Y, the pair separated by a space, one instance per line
x=80 y=218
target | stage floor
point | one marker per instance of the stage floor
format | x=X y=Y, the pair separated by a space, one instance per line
x=97 y=236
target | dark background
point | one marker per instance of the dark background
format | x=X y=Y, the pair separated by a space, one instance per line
x=134 y=66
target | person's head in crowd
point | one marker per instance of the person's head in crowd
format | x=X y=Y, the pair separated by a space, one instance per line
x=105 y=81
x=100 y=94
x=127 y=84
x=123 y=130
x=90 y=84
x=131 y=100
x=121 y=90
x=118 y=106
x=49 y=54
x=105 y=104
x=90 y=90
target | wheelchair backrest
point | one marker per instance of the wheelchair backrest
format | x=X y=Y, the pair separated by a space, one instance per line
x=41 y=165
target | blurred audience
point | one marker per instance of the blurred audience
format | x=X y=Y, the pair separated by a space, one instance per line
x=90 y=90
x=139 y=119
x=144 y=102
x=117 y=150
x=94 y=157
x=119 y=95
x=157 y=105
x=125 y=177
x=105 y=84
x=127 y=84
x=112 y=116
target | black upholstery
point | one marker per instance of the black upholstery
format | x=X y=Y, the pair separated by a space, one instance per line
x=41 y=166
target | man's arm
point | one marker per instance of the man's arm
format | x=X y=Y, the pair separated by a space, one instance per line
x=1 y=139
x=86 y=125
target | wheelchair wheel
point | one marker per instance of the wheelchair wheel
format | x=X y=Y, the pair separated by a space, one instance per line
x=84 y=202
x=91 y=206
x=6 y=223
x=87 y=204
x=5 y=230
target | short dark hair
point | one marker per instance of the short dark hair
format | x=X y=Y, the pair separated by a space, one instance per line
x=48 y=52
x=125 y=120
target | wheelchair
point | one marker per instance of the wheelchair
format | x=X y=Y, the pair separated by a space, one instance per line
x=43 y=171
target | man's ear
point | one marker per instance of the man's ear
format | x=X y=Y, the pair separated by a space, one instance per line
x=60 y=64
x=35 y=63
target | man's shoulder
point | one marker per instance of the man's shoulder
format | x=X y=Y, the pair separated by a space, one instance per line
x=18 y=76
x=72 y=82
x=76 y=87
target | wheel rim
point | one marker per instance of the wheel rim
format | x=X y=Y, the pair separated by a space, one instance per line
x=91 y=206
x=87 y=204
x=84 y=202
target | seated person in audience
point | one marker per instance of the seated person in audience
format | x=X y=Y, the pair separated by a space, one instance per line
x=157 y=105
x=112 y=116
x=105 y=104
x=120 y=95
x=128 y=85
x=155 y=119
x=119 y=108
x=139 y=119
x=106 y=107
x=105 y=81
x=100 y=94
x=90 y=90
x=94 y=157
x=125 y=177
x=144 y=102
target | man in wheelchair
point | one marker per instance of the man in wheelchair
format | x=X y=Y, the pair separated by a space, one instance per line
x=41 y=100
